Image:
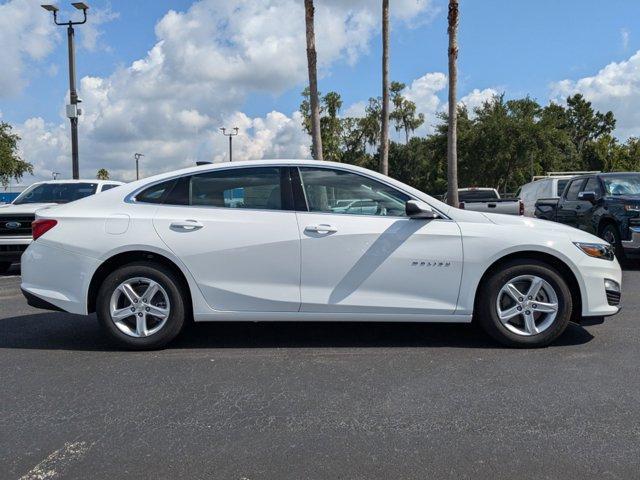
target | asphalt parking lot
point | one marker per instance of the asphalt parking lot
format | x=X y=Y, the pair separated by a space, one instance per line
x=317 y=401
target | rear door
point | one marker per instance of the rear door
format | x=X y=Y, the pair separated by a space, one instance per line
x=585 y=209
x=236 y=231
x=569 y=205
x=374 y=259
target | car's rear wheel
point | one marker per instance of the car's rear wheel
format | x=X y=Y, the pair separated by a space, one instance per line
x=611 y=234
x=141 y=305
x=4 y=267
x=526 y=303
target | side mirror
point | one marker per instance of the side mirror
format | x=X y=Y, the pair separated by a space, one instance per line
x=587 y=196
x=420 y=210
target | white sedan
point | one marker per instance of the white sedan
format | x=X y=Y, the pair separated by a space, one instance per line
x=270 y=240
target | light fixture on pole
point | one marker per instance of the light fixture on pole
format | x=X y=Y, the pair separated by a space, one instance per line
x=231 y=134
x=72 y=109
x=55 y=175
x=137 y=157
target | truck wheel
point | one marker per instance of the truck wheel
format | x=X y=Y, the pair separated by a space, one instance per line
x=524 y=304
x=611 y=234
x=4 y=267
x=141 y=306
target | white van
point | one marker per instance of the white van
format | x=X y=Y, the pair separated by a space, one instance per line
x=548 y=186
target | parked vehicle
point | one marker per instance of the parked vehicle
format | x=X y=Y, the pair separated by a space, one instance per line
x=548 y=186
x=488 y=200
x=148 y=256
x=16 y=217
x=606 y=205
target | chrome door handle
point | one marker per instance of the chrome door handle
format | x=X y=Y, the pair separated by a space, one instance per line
x=324 y=228
x=186 y=225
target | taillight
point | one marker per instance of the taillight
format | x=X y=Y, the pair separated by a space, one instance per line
x=41 y=226
x=521 y=207
x=461 y=205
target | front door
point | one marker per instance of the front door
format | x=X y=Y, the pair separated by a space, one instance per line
x=361 y=254
x=239 y=239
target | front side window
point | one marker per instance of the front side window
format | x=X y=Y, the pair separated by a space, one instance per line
x=254 y=188
x=56 y=193
x=574 y=189
x=593 y=185
x=336 y=191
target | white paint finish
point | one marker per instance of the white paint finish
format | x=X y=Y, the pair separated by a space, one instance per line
x=251 y=262
x=241 y=259
x=368 y=264
x=117 y=224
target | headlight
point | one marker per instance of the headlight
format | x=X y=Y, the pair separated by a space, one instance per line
x=597 y=250
x=632 y=208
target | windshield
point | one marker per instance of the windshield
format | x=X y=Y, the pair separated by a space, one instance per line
x=622 y=184
x=56 y=193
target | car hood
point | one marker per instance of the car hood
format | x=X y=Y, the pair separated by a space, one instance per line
x=25 y=208
x=543 y=226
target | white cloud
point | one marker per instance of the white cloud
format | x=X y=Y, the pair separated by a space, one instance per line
x=616 y=87
x=26 y=34
x=207 y=60
x=91 y=31
x=425 y=92
x=476 y=98
x=625 y=35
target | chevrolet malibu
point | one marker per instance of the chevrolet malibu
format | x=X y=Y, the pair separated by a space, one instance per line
x=271 y=240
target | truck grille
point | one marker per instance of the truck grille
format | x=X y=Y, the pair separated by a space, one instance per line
x=16 y=225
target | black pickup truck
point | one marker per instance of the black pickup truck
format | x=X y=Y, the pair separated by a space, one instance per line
x=605 y=204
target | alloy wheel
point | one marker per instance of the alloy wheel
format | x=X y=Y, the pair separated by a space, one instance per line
x=527 y=305
x=139 y=307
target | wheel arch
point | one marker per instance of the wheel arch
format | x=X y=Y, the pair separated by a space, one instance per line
x=557 y=263
x=605 y=221
x=123 y=258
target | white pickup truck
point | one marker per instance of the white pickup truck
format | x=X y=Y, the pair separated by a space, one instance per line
x=16 y=217
x=488 y=200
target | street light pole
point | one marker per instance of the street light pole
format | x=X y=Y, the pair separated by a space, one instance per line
x=137 y=157
x=72 y=109
x=231 y=134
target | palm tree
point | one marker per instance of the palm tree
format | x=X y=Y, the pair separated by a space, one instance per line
x=316 y=137
x=452 y=134
x=384 y=134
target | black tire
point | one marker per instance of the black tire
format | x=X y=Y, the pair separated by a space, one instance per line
x=487 y=314
x=611 y=234
x=4 y=267
x=168 y=280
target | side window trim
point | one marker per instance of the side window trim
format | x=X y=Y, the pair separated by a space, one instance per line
x=299 y=196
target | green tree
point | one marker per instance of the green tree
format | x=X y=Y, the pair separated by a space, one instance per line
x=103 y=174
x=11 y=165
x=404 y=111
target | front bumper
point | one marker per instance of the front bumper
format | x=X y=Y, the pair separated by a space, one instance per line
x=12 y=248
x=634 y=243
x=597 y=301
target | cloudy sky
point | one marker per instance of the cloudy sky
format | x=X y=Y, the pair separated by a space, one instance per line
x=161 y=76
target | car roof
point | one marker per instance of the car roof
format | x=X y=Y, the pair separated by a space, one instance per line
x=99 y=182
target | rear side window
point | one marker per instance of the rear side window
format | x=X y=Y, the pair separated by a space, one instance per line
x=254 y=188
x=561 y=186
x=574 y=189
x=156 y=193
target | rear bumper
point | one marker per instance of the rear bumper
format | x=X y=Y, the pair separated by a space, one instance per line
x=56 y=277
x=38 y=302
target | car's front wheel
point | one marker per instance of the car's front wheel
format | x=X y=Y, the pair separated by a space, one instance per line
x=526 y=303
x=141 y=305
